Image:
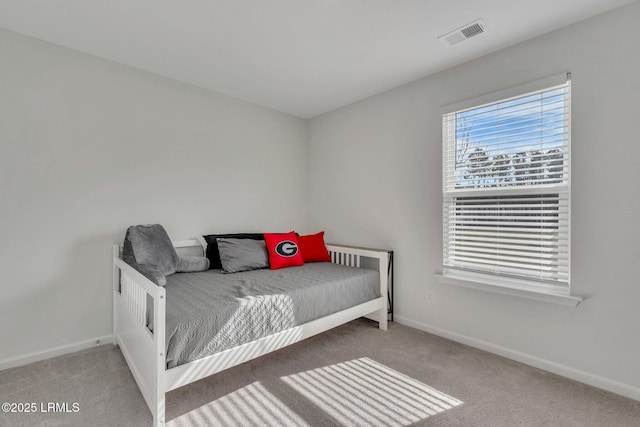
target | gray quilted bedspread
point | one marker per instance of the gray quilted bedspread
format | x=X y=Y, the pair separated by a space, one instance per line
x=209 y=312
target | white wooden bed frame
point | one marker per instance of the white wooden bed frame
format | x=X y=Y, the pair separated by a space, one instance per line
x=144 y=350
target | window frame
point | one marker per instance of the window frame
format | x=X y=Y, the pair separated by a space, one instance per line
x=526 y=287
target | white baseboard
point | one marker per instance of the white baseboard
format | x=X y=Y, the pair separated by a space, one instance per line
x=54 y=352
x=613 y=386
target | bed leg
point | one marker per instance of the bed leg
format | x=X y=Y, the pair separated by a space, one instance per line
x=383 y=270
x=158 y=417
x=383 y=322
x=115 y=290
x=159 y=316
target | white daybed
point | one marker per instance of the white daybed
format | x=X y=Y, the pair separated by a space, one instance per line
x=144 y=350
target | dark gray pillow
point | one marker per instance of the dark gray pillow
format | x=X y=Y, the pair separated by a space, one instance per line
x=242 y=254
x=212 y=245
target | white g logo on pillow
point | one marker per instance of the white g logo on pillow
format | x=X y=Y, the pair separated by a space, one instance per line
x=286 y=249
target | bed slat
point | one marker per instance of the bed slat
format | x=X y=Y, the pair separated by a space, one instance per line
x=135 y=298
x=350 y=260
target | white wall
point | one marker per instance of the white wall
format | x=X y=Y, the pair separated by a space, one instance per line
x=88 y=147
x=376 y=180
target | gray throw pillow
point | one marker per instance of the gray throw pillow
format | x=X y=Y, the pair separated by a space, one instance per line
x=188 y=264
x=148 y=249
x=238 y=255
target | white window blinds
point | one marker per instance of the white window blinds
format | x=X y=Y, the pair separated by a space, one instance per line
x=506 y=183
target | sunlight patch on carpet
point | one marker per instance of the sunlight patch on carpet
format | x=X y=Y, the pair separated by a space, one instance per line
x=362 y=392
x=252 y=405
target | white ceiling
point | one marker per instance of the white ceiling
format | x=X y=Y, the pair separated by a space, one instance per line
x=303 y=57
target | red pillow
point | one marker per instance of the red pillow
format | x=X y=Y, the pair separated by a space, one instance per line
x=313 y=248
x=283 y=250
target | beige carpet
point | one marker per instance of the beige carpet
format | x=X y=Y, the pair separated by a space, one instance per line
x=354 y=375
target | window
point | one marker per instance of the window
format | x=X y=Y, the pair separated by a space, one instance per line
x=506 y=187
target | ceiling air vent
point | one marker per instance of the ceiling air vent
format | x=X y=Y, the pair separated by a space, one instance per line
x=464 y=33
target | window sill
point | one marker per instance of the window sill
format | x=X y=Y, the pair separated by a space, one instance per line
x=507 y=287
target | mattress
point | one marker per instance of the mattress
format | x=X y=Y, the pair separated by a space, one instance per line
x=209 y=312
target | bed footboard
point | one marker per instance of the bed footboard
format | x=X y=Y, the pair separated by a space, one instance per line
x=142 y=349
x=352 y=256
